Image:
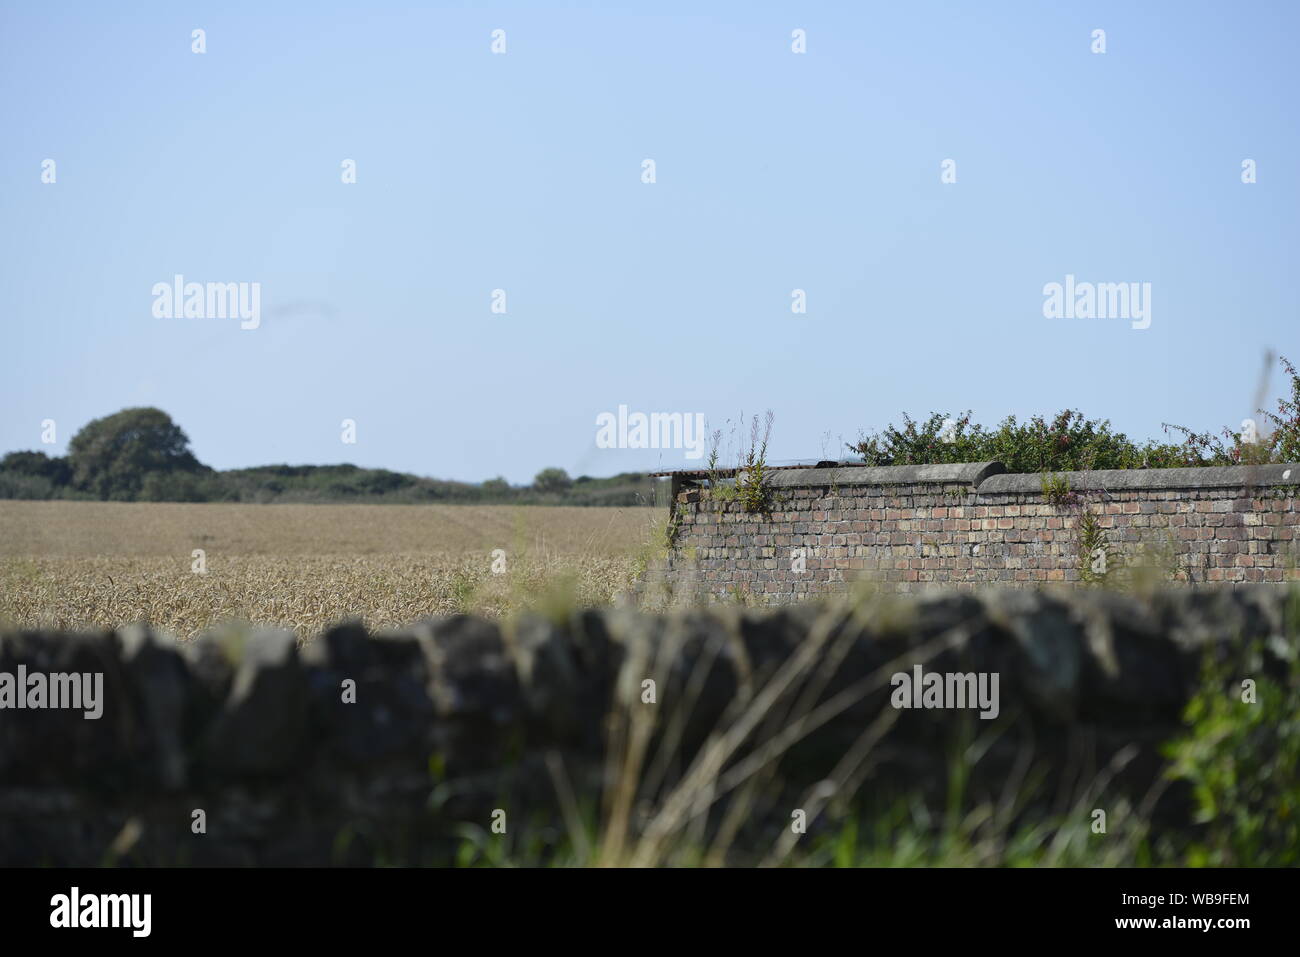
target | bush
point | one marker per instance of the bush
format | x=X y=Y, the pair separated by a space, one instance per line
x=1071 y=442
x=185 y=487
x=37 y=464
x=1285 y=445
x=17 y=485
x=1242 y=761
x=552 y=480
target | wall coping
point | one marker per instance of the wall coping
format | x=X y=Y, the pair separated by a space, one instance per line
x=993 y=478
x=1225 y=476
x=965 y=473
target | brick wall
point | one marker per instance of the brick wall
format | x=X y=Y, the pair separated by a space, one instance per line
x=908 y=527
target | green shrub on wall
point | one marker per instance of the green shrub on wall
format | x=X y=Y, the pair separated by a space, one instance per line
x=750 y=487
x=1071 y=442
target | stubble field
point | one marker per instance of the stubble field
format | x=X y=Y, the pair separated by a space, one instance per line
x=303 y=567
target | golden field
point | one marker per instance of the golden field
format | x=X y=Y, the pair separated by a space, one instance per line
x=303 y=567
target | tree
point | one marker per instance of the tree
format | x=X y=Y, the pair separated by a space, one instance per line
x=110 y=457
x=37 y=464
x=552 y=480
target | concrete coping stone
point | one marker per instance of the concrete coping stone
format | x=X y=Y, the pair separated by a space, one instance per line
x=993 y=478
x=964 y=473
x=1115 y=480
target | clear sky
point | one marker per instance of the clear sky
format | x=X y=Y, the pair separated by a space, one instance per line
x=522 y=171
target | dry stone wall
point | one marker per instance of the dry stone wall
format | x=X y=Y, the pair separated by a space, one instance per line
x=250 y=747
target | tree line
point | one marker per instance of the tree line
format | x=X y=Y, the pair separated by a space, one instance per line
x=141 y=455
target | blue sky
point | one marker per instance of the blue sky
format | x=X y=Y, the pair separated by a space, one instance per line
x=775 y=171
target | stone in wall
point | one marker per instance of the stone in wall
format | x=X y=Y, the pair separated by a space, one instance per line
x=452 y=719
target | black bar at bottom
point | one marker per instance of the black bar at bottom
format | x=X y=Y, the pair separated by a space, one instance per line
x=336 y=906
